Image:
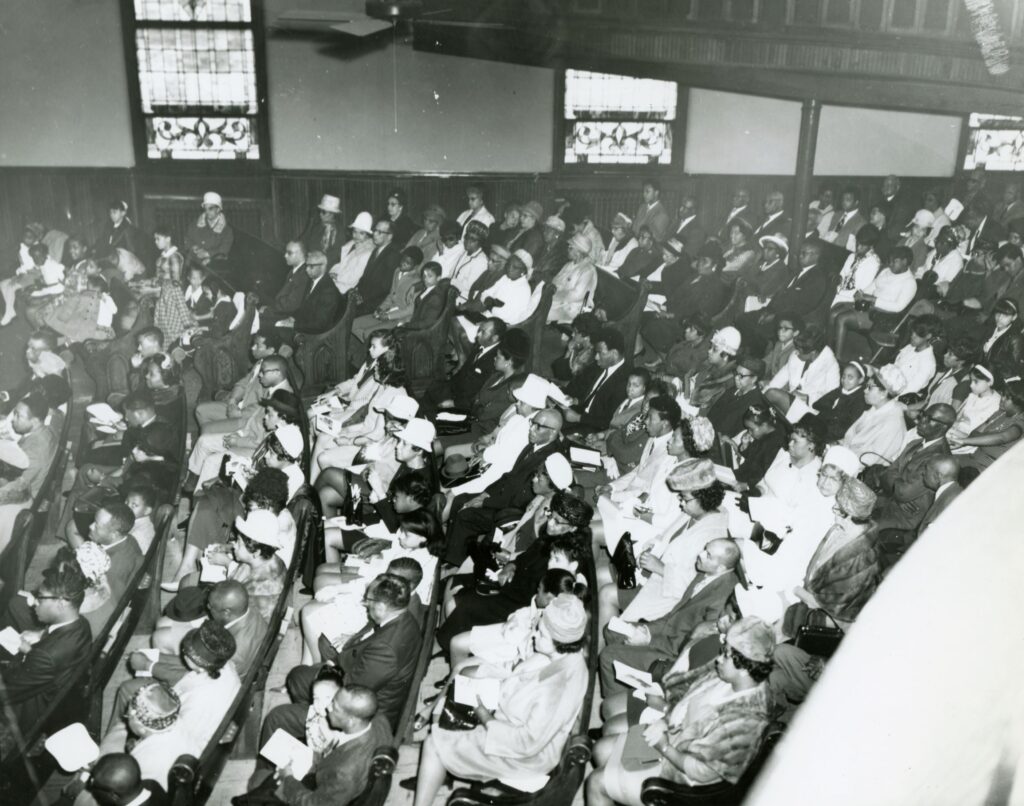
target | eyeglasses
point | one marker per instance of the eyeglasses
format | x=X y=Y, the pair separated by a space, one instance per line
x=39 y=597
x=542 y=425
x=930 y=418
x=739 y=374
x=368 y=601
x=382 y=232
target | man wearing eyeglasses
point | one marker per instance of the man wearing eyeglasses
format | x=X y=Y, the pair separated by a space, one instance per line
x=903 y=496
x=472 y=516
x=47 y=658
x=380 y=268
x=323 y=304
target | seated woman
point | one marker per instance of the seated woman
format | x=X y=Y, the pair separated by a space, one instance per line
x=250 y=557
x=843 y=572
x=997 y=434
x=877 y=435
x=337 y=613
x=880 y=304
x=85 y=310
x=757 y=447
x=794 y=473
x=773 y=576
x=566 y=530
x=496 y=393
x=15 y=494
x=161 y=377
x=397 y=307
x=538 y=707
x=626 y=441
x=843 y=405
x=494 y=650
x=217 y=506
x=348 y=417
x=1003 y=345
x=714 y=719
x=341 y=491
x=981 y=403
x=41 y=278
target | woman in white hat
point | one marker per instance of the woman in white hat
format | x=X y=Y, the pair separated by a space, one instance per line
x=575 y=283
x=537 y=709
x=354 y=255
x=714 y=375
x=323 y=234
x=620 y=244
x=877 y=435
x=210 y=236
x=428 y=237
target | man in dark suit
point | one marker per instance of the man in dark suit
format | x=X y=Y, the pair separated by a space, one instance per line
x=111 y=529
x=688 y=230
x=472 y=516
x=984 y=228
x=49 y=657
x=740 y=209
x=227 y=605
x=462 y=387
x=381 y=656
x=380 y=268
x=323 y=304
x=903 y=497
x=289 y=296
x=898 y=207
x=662 y=639
x=845 y=223
x=727 y=413
x=775 y=221
x=340 y=774
x=594 y=412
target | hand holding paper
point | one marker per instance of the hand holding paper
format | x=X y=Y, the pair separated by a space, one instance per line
x=288 y=754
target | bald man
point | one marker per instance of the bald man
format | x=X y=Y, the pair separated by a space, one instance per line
x=941 y=476
x=340 y=775
x=228 y=605
x=117 y=781
x=508 y=497
x=703 y=601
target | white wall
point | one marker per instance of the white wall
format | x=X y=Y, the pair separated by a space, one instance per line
x=875 y=142
x=63 y=91
x=454 y=114
x=740 y=134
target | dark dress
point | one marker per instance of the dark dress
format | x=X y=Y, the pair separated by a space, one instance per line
x=759 y=455
x=839 y=411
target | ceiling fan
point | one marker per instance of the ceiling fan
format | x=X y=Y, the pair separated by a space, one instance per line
x=379 y=15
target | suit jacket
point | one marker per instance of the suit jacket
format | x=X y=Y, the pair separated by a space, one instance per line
x=550 y=260
x=655 y=218
x=289 y=297
x=321 y=308
x=342 y=774
x=672 y=630
x=598 y=415
x=692 y=237
x=248 y=633
x=847 y=230
x=1007 y=354
x=427 y=309
x=942 y=500
x=314 y=241
x=375 y=283
x=802 y=295
x=513 y=490
x=907 y=498
x=35 y=679
x=898 y=212
x=384 y=659
x=125 y=559
x=780 y=225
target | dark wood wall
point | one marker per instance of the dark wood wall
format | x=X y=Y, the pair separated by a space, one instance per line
x=279 y=205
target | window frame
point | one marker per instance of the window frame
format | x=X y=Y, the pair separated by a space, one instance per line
x=965 y=147
x=129 y=27
x=677 y=128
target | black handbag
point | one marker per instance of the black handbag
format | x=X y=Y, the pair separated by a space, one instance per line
x=820 y=641
x=455 y=715
x=624 y=560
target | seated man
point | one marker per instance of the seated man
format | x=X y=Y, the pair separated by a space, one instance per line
x=51 y=656
x=344 y=737
x=382 y=656
x=117 y=780
x=473 y=516
x=228 y=607
x=322 y=306
x=225 y=416
x=903 y=497
x=38 y=445
x=704 y=600
x=594 y=411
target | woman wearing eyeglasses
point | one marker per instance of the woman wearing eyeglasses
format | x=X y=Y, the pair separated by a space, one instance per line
x=844 y=570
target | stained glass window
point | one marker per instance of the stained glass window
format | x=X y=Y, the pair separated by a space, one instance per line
x=995 y=141
x=612 y=119
x=197 y=78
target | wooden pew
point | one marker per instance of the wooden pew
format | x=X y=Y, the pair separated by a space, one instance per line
x=423 y=351
x=220 y=362
x=23 y=770
x=534 y=327
x=323 y=358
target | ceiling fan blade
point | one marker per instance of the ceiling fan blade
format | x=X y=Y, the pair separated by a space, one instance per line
x=361 y=27
x=435 y=12
x=314 y=21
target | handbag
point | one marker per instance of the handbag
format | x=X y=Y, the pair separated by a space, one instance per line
x=818 y=640
x=624 y=560
x=455 y=715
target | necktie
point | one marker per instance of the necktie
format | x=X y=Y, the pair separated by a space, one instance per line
x=590 y=398
x=838 y=223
